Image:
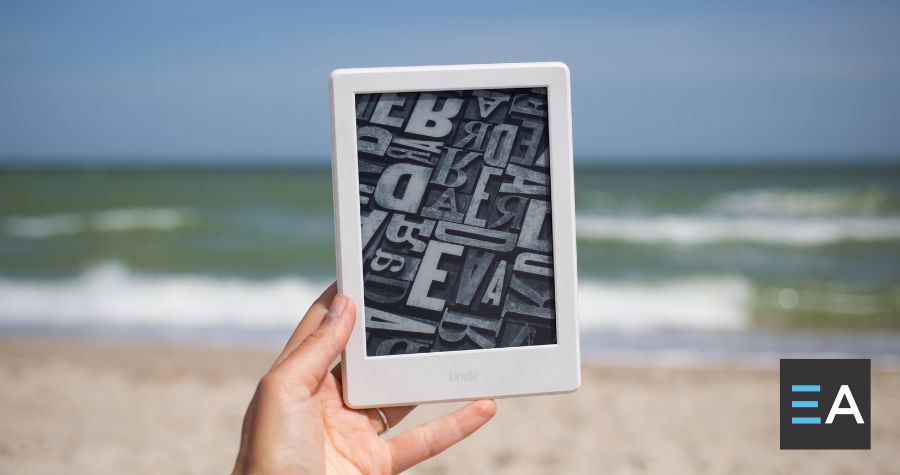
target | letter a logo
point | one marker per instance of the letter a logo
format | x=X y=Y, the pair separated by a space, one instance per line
x=844 y=393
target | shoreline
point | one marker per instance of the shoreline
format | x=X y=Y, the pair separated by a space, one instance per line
x=113 y=407
x=684 y=347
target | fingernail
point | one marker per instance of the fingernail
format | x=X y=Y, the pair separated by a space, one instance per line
x=337 y=307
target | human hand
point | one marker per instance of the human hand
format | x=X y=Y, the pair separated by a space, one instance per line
x=297 y=421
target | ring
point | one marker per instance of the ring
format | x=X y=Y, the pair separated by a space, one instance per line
x=384 y=419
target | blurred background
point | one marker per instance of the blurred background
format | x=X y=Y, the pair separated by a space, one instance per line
x=165 y=183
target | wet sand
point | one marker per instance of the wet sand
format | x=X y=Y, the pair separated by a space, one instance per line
x=105 y=408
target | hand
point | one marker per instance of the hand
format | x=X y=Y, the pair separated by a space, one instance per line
x=298 y=423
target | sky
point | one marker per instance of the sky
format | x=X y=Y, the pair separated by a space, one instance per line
x=810 y=81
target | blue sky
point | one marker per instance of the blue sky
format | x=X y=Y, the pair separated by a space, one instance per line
x=711 y=81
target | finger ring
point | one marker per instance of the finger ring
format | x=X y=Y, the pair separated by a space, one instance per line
x=384 y=419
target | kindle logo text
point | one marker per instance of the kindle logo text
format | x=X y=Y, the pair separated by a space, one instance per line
x=463 y=377
x=825 y=404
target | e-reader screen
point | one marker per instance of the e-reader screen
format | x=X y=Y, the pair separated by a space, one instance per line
x=454 y=190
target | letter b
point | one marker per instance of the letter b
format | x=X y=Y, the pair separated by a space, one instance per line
x=433 y=123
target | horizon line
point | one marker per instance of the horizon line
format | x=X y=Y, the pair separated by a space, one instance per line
x=236 y=163
x=141 y=161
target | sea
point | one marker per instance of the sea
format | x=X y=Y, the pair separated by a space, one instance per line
x=686 y=263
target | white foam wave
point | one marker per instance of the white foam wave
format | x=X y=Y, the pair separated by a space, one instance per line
x=112 y=295
x=111 y=220
x=699 y=302
x=798 y=202
x=706 y=229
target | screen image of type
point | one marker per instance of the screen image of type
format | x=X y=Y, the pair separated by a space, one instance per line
x=454 y=190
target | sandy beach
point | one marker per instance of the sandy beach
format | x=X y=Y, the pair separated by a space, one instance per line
x=104 y=408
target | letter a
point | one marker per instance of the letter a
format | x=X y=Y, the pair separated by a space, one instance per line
x=489 y=100
x=836 y=408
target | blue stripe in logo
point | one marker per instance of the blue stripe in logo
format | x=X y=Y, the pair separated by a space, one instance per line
x=805 y=388
x=804 y=403
x=806 y=420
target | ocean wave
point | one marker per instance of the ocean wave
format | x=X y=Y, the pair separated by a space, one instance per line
x=113 y=295
x=708 y=229
x=869 y=200
x=696 y=302
x=111 y=220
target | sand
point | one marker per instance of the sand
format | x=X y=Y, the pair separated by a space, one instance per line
x=112 y=408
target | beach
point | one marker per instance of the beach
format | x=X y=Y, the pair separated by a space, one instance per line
x=106 y=407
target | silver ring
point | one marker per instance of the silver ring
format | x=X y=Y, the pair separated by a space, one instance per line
x=384 y=419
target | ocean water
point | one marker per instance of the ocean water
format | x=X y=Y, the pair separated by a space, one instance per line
x=687 y=257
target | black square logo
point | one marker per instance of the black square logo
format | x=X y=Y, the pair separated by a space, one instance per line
x=825 y=404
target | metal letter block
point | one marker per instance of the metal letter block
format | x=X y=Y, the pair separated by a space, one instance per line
x=479 y=195
x=531 y=263
x=500 y=144
x=370 y=224
x=535 y=217
x=488 y=101
x=382 y=114
x=386 y=192
x=408 y=154
x=402 y=231
x=381 y=321
x=444 y=208
x=425 y=120
x=449 y=163
x=494 y=291
x=534 y=304
x=400 y=346
x=526 y=181
x=511 y=218
x=474 y=268
x=429 y=273
x=374 y=140
x=383 y=289
x=459 y=328
x=517 y=334
x=529 y=139
x=429 y=146
x=475 y=131
x=529 y=104
x=489 y=239
x=364 y=106
x=388 y=260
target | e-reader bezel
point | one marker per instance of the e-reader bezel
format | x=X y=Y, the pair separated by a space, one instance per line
x=397 y=380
